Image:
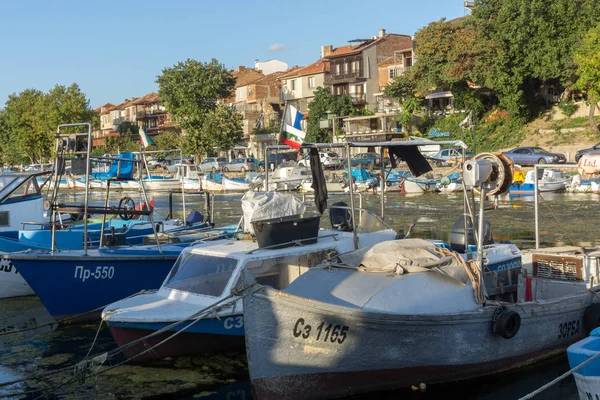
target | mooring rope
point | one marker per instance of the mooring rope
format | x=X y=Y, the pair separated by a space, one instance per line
x=569 y=372
x=472 y=271
x=80 y=370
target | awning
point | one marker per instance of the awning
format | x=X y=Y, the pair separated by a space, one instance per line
x=439 y=95
x=379 y=115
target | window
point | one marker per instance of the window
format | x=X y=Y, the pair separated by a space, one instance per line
x=408 y=60
x=311 y=82
x=293 y=84
x=338 y=69
x=249 y=92
x=4 y=218
x=394 y=72
x=346 y=68
x=201 y=274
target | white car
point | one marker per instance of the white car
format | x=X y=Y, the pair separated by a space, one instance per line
x=329 y=159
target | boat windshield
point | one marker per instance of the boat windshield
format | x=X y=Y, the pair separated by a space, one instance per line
x=5 y=181
x=201 y=274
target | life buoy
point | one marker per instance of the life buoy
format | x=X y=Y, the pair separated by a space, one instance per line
x=388 y=183
x=427 y=186
x=591 y=317
x=506 y=322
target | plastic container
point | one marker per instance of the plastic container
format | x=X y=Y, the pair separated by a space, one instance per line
x=275 y=231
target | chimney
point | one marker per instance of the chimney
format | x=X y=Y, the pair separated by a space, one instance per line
x=241 y=68
x=326 y=50
x=256 y=62
x=382 y=33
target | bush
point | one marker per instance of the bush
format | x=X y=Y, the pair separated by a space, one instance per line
x=567 y=107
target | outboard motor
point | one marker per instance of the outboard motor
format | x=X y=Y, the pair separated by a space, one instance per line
x=457 y=234
x=340 y=218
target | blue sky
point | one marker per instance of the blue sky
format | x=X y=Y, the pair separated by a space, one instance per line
x=115 y=50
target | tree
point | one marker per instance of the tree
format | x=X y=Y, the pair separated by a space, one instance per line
x=168 y=141
x=587 y=58
x=190 y=91
x=323 y=102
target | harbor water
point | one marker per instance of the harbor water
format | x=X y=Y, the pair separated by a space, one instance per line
x=565 y=219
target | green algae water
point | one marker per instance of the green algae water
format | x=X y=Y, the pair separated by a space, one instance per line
x=565 y=219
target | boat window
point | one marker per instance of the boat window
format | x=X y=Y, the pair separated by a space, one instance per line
x=201 y=274
x=6 y=181
x=29 y=188
x=281 y=271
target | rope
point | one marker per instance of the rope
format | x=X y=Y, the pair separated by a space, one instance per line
x=571 y=371
x=81 y=369
x=472 y=271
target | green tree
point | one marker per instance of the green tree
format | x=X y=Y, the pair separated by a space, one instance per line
x=190 y=91
x=323 y=102
x=587 y=58
x=168 y=141
x=69 y=105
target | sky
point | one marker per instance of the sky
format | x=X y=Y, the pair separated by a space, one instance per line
x=115 y=50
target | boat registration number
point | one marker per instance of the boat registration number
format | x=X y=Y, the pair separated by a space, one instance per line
x=99 y=273
x=326 y=333
x=7 y=266
x=568 y=329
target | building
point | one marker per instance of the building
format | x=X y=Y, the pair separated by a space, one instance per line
x=299 y=84
x=353 y=69
x=270 y=66
x=390 y=68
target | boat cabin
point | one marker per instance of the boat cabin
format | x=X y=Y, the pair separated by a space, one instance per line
x=20 y=194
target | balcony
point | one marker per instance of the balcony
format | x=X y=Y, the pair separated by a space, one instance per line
x=358 y=98
x=149 y=114
x=331 y=79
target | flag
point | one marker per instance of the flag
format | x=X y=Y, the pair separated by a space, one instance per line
x=291 y=131
x=145 y=140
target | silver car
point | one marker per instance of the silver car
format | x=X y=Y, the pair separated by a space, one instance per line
x=241 y=165
x=212 y=164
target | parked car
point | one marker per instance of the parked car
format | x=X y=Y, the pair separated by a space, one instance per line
x=177 y=162
x=241 y=165
x=212 y=164
x=446 y=157
x=534 y=155
x=157 y=162
x=368 y=160
x=329 y=159
x=595 y=149
x=276 y=159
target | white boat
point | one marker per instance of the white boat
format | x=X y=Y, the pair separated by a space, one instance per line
x=212 y=181
x=208 y=272
x=248 y=182
x=20 y=197
x=287 y=176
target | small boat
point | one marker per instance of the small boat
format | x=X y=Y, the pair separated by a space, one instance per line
x=587 y=377
x=239 y=184
x=577 y=185
x=449 y=184
x=212 y=181
x=549 y=180
x=287 y=176
x=208 y=272
x=20 y=195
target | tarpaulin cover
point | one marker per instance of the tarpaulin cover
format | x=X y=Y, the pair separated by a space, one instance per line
x=256 y=206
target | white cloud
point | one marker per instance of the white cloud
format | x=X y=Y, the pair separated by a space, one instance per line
x=276 y=48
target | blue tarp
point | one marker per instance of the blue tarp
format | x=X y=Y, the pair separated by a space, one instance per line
x=125 y=172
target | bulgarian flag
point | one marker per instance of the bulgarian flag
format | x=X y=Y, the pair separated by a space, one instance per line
x=145 y=140
x=291 y=131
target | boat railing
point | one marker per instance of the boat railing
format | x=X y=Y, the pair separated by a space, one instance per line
x=67 y=143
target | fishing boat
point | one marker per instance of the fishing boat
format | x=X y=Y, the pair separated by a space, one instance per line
x=71 y=282
x=380 y=318
x=208 y=272
x=587 y=377
x=212 y=181
x=287 y=176
x=241 y=184
x=20 y=194
x=578 y=185
x=549 y=180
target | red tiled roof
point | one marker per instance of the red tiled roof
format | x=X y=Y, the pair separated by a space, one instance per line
x=149 y=98
x=318 y=66
x=246 y=76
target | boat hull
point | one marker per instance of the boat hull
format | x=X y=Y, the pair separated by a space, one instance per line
x=205 y=336
x=12 y=283
x=374 y=351
x=71 y=285
x=235 y=186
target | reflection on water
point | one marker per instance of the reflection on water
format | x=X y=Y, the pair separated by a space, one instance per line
x=564 y=219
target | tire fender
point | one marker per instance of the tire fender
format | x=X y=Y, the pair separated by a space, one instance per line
x=506 y=322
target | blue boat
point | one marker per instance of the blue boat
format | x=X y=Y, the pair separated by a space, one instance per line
x=587 y=377
x=71 y=282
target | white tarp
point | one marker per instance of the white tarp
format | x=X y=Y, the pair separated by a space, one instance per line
x=257 y=206
x=589 y=164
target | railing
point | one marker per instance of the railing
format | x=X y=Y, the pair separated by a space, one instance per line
x=358 y=98
x=338 y=77
x=150 y=113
